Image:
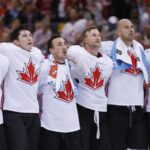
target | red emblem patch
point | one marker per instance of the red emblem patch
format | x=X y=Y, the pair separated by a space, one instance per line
x=66 y=94
x=133 y=70
x=94 y=80
x=53 y=71
x=29 y=74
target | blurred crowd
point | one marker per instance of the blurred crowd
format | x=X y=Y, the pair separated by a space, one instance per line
x=72 y=17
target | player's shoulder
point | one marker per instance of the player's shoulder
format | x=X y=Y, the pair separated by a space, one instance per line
x=7 y=45
x=4 y=59
x=106 y=47
x=45 y=61
x=147 y=53
x=36 y=51
x=138 y=44
x=45 y=64
x=108 y=59
x=75 y=47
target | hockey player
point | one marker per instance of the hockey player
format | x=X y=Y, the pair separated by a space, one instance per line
x=59 y=118
x=91 y=70
x=4 y=64
x=125 y=92
x=21 y=109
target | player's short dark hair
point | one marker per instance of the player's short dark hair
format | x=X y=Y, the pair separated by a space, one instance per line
x=50 y=41
x=15 y=33
x=84 y=34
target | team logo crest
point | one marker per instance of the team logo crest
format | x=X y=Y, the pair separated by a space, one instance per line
x=65 y=93
x=133 y=70
x=119 y=52
x=94 y=80
x=29 y=75
x=53 y=71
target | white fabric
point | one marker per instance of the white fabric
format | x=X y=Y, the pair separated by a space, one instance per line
x=124 y=50
x=57 y=81
x=21 y=81
x=96 y=120
x=125 y=89
x=136 y=48
x=59 y=114
x=84 y=67
x=106 y=47
x=147 y=54
x=4 y=64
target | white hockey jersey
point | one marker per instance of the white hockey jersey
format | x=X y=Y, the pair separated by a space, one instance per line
x=147 y=54
x=126 y=86
x=92 y=74
x=59 y=112
x=21 y=82
x=4 y=64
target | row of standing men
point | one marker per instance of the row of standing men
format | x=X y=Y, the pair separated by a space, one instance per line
x=94 y=97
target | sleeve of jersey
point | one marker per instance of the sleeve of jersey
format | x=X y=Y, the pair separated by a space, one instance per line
x=40 y=55
x=3 y=48
x=5 y=67
x=106 y=47
x=147 y=56
x=73 y=52
x=42 y=76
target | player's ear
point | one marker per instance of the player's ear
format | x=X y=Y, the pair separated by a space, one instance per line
x=16 y=42
x=117 y=32
x=51 y=50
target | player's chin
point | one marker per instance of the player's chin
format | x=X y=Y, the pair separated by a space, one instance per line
x=131 y=38
x=65 y=54
x=97 y=45
x=131 y=35
x=28 y=48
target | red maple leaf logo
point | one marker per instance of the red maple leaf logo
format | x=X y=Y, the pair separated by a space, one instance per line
x=28 y=75
x=94 y=81
x=133 y=70
x=67 y=93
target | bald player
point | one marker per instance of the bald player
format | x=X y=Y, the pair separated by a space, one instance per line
x=125 y=92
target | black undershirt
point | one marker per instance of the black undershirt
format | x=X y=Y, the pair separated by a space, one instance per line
x=99 y=55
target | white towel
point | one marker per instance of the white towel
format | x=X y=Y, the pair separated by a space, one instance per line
x=136 y=49
x=57 y=81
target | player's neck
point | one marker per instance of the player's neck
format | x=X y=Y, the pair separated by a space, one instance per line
x=59 y=60
x=127 y=42
x=92 y=51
